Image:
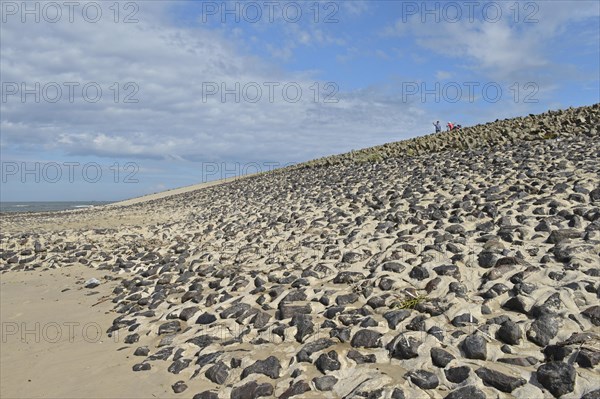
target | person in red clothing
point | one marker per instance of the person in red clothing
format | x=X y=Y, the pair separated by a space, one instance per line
x=450 y=126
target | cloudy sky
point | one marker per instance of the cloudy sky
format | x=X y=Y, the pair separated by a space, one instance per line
x=105 y=100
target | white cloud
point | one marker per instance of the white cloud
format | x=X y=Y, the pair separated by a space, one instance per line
x=170 y=65
x=507 y=49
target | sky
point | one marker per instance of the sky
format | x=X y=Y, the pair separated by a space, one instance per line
x=110 y=100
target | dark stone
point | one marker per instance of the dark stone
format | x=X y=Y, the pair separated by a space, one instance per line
x=498 y=320
x=556 y=352
x=208 y=358
x=369 y=322
x=386 y=284
x=543 y=330
x=588 y=358
x=162 y=354
x=366 y=339
x=359 y=358
x=440 y=357
x=142 y=367
x=202 y=341
x=417 y=324
x=269 y=367
x=297 y=388
x=218 y=373
x=495 y=291
x=398 y=393
x=468 y=392
x=475 y=347
x=419 y=273
x=557 y=377
x=178 y=365
x=376 y=394
x=328 y=362
x=179 y=387
x=132 y=338
x=509 y=333
x=593 y=394
x=331 y=312
x=235 y=311
x=341 y=333
x=393 y=267
x=261 y=319
x=142 y=351
x=395 y=317
x=206 y=318
x=404 y=348
x=552 y=305
x=376 y=302
x=561 y=235
x=170 y=327
x=325 y=383
x=348 y=277
x=487 y=259
x=433 y=307
x=433 y=285
x=188 y=312
x=457 y=374
x=460 y=290
x=295 y=296
x=287 y=310
x=437 y=332
x=304 y=326
x=346 y=299
x=498 y=380
x=464 y=320
x=516 y=304
x=307 y=350
x=593 y=313
x=252 y=390
x=423 y=379
x=206 y=395
x=447 y=270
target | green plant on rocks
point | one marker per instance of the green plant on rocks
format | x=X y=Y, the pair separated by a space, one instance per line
x=549 y=136
x=410 y=303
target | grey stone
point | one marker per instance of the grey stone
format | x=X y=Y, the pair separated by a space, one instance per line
x=325 y=383
x=252 y=390
x=423 y=379
x=366 y=339
x=467 y=392
x=269 y=367
x=475 y=347
x=218 y=373
x=557 y=377
x=498 y=380
x=440 y=357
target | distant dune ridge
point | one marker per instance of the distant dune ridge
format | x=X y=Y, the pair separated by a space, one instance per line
x=459 y=265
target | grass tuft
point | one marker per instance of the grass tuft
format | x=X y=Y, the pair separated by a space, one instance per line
x=410 y=303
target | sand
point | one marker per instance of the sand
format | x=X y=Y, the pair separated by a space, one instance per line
x=58 y=358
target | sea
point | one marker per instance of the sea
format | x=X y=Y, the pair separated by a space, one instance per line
x=11 y=207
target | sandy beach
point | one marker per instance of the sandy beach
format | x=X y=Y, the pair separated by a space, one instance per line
x=54 y=341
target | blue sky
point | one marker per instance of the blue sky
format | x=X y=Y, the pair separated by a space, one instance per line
x=369 y=72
